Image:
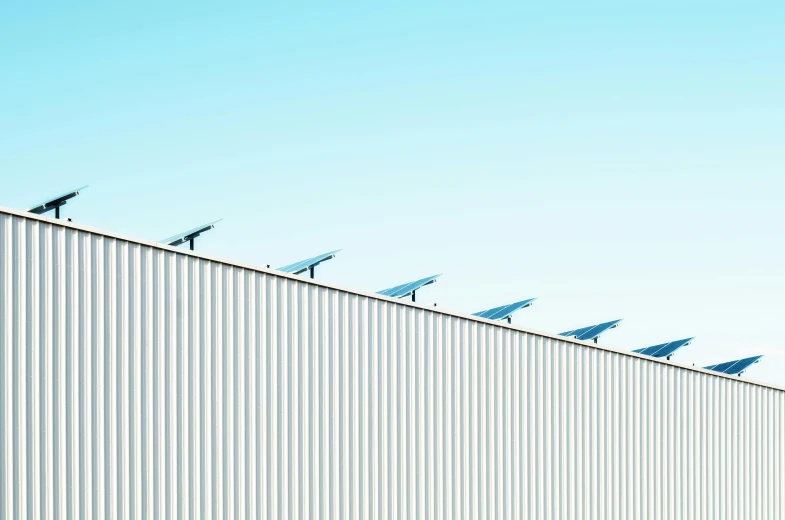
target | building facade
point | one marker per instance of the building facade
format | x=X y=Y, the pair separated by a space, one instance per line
x=141 y=381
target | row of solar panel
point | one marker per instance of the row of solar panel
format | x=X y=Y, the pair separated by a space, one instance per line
x=663 y=350
x=503 y=312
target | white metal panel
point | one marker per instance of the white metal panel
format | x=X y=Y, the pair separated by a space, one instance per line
x=136 y=381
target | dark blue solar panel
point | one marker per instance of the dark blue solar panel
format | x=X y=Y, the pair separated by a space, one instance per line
x=399 y=291
x=304 y=265
x=592 y=332
x=734 y=367
x=576 y=332
x=504 y=311
x=743 y=364
x=721 y=367
x=649 y=351
x=669 y=348
x=664 y=349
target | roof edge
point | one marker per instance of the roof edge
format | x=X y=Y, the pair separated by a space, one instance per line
x=371 y=295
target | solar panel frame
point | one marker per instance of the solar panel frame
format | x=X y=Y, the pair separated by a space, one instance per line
x=591 y=332
x=185 y=236
x=56 y=202
x=305 y=265
x=504 y=311
x=405 y=289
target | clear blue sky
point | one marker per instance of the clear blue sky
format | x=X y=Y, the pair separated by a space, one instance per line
x=615 y=162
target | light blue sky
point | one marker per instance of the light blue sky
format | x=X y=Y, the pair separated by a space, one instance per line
x=615 y=162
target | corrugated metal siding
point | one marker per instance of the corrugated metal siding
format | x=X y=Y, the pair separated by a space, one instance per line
x=138 y=382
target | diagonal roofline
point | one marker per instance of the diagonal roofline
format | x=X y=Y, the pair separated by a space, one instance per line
x=372 y=295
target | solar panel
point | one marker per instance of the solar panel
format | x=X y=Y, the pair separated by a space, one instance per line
x=56 y=202
x=505 y=311
x=405 y=289
x=734 y=367
x=190 y=235
x=592 y=332
x=308 y=264
x=665 y=350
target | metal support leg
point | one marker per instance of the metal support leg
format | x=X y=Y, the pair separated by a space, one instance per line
x=57 y=211
x=509 y=319
x=312 y=269
x=413 y=297
x=192 y=244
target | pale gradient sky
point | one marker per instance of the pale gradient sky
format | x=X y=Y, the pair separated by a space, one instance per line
x=615 y=162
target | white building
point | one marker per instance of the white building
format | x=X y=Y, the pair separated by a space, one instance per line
x=143 y=381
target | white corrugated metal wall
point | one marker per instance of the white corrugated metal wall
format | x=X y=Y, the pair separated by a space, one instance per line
x=136 y=382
